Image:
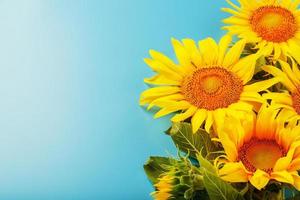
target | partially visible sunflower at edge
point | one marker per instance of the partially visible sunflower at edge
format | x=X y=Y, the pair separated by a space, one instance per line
x=164 y=188
x=273 y=25
x=209 y=83
x=260 y=150
x=289 y=76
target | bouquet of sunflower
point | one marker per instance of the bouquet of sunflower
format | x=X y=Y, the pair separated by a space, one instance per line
x=235 y=106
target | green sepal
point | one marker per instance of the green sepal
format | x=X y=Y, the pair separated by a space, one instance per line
x=155 y=166
x=187 y=178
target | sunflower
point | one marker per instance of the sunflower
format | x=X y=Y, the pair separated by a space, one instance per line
x=164 y=187
x=260 y=150
x=209 y=83
x=273 y=25
x=289 y=76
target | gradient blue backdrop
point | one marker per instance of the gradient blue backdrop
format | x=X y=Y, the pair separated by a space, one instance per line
x=70 y=78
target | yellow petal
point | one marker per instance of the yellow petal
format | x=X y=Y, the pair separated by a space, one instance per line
x=252 y=97
x=282 y=98
x=236 y=129
x=208 y=122
x=162 y=69
x=236 y=20
x=259 y=179
x=296 y=70
x=209 y=50
x=223 y=46
x=219 y=116
x=182 y=55
x=159 y=91
x=185 y=115
x=295 y=165
x=296 y=181
x=165 y=61
x=161 y=80
x=288 y=115
x=165 y=101
x=283 y=176
x=233 y=5
x=229 y=146
x=241 y=106
x=280 y=75
x=173 y=108
x=245 y=67
x=287 y=136
x=234 y=53
x=233 y=172
x=294 y=50
x=267 y=50
x=296 y=147
x=194 y=52
x=198 y=119
x=261 y=85
x=284 y=162
x=236 y=13
x=250 y=4
x=287 y=69
x=277 y=51
x=266 y=124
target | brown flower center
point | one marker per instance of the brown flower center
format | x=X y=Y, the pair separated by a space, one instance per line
x=212 y=88
x=260 y=154
x=274 y=23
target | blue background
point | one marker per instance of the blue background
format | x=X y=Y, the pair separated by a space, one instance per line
x=70 y=78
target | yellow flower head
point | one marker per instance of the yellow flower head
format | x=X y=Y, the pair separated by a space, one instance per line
x=209 y=82
x=260 y=150
x=273 y=24
x=289 y=76
x=164 y=188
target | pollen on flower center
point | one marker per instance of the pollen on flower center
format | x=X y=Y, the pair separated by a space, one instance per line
x=260 y=154
x=212 y=88
x=273 y=23
x=211 y=84
x=296 y=100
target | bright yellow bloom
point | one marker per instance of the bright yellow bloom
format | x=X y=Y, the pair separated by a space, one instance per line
x=290 y=78
x=164 y=188
x=260 y=150
x=209 y=83
x=274 y=25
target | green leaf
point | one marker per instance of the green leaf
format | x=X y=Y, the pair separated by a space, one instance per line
x=156 y=166
x=205 y=164
x=186 y=180
x=189 y=142
x=218 y=189
x=189 y=194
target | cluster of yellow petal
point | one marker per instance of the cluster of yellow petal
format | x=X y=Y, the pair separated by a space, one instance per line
x=261 y=149
x=265 y=147
x=289 y=76
x=212 y=87
x=210 y=81
x=164 y=188
x=273 y=25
